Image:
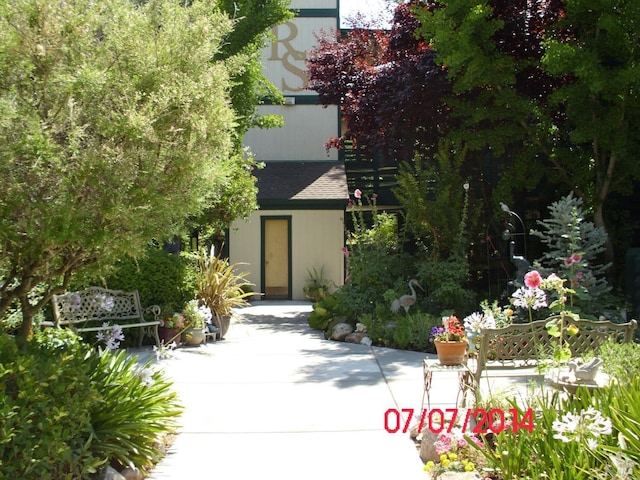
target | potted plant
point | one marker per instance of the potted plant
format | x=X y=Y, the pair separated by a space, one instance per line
x=220 y=288
x=171 y=328
x=194 y=324
x=450 y=340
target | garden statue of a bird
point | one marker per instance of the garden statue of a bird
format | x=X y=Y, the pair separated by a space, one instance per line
x=406 y=301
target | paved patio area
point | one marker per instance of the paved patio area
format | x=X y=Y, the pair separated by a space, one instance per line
x=276 y=398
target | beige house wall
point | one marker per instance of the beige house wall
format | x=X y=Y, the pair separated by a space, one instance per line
x=317 y=238
x=306 y=129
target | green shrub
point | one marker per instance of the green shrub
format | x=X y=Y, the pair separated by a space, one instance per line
x=323 y=313
x=584 y=452
x=566 y=233
x=160 y=277
x=620 y=360
x=447 y=282
x=136 y=408
x=46 y=397
x=67 y=410
x=404 y=331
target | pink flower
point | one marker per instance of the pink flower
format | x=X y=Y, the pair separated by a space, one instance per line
x=568 y=261
x=357 y=193
x=576 y=257
x=345 y=251
x=532 y=279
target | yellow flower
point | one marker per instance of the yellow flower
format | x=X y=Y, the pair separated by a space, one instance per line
x=429 y=466
x=508 y=312
x=469 y=467
x=443 y=457
x=453 y=456
x=572 y=330
x=446 y=462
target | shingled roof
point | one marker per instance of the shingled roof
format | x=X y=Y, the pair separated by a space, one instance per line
x=289 y=180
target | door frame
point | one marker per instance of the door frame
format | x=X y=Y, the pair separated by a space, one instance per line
x=263 y=220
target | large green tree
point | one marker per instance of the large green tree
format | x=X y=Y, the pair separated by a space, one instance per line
x=549 y=88
x=115 y=127
x=235 y=195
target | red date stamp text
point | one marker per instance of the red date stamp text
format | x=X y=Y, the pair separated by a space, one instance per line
x=478 y=420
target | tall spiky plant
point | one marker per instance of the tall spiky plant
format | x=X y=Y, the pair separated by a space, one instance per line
x=219 y=287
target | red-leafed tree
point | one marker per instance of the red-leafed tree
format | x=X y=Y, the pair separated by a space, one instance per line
x=387 y=84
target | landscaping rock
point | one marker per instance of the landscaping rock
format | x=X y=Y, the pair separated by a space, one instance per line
x=459 y=476
x=340 y=331
x=355 y=337
x=112 y=474
x=358 y=338
x=132 y=474
x=427 y=449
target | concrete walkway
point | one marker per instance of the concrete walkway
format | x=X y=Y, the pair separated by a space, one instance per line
x=277 y=400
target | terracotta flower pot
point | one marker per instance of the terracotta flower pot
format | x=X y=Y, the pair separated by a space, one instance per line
x=168 y=335
x=451 y=353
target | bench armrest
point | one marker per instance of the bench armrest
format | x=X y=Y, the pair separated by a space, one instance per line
x=155 y=311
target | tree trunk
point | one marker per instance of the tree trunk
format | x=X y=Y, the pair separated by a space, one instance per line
x=609 y=253
x=26 y=327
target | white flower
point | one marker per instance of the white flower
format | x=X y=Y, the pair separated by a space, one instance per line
x=526 y=297
x=164 y=351
x=476 y=322
x=585 y=427
x=110 y=336
x=145 y=375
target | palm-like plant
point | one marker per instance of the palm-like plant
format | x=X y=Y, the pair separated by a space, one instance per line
x=219 y=287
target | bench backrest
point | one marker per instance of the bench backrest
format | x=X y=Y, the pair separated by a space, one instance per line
x=96 y=304
x=522 y=341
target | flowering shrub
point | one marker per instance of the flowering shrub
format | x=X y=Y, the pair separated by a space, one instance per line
x=174 y=321
x=581 y=437
x=451 y=331
x=455 y=453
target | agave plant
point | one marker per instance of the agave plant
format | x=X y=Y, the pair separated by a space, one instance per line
x=219 y=287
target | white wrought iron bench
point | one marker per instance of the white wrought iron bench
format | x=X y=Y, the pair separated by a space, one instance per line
x=90 y=309
x=519 y=344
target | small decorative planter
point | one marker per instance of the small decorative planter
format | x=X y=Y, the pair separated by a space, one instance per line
x=193 y=336
x=222 y=322
x=168 y=335
x=451 y=353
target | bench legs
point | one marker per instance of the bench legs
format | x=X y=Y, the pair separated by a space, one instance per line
x=151 y=331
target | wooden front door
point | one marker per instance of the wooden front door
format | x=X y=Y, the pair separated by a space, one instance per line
x=276 y=266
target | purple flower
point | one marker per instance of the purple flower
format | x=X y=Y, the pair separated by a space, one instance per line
x=436 y=331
